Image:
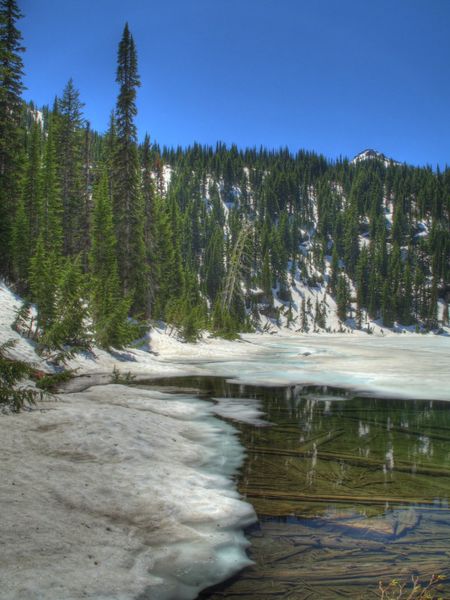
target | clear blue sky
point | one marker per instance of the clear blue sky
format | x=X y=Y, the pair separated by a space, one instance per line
x=333 y=76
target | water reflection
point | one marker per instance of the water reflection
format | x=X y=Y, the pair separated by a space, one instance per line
x=348 y=491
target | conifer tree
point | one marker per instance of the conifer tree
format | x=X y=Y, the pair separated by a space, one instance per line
x=127 y=190
x=406 y=297
x=45 y=263
x=303 y=317
x=267 y=278
x=387 y=311
x=148 y=193
x=86 y=209
x=188 y=313
x=31 y=189
x=166 y=257
x=68 y=327
x=110 y=150
x=214 y=263
x=342 y=297
x=12 y=373
x=69 y=144
x=11 y=71
x=50 y=209
x=362 y=279
x=148 y=197
x=334 y=269
x=351 y=246
x=319 y=315
x=21 y=248
x=44 y=269
x=109 y=310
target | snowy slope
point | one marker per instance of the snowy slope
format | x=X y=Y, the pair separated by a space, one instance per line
x=300 y=289
x=370 y=154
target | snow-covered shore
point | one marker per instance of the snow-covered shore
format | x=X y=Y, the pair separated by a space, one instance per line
x=118 y=493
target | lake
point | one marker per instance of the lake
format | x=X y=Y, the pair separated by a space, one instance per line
x=348 y=490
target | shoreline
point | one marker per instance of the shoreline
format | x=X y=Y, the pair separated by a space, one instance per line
x=87 y=479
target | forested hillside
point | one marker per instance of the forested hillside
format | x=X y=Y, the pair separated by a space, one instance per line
x=98 y=227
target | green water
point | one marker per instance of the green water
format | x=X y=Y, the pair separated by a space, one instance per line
x=349 y=491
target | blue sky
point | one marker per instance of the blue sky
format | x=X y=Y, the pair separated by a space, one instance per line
x=332 y=76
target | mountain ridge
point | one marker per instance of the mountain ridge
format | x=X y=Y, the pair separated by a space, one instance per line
x=371 y=154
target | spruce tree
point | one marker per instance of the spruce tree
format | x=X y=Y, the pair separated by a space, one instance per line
x=68 y=331
x=69 y=146
x=86 y=210
x=342 y=297
x=31 y=189
x=148 y=193
x=21 y=248
x=25 y=227
x=44 y=269
x=11 y=71
x=109 y=310
x=45 y=263
x=303 y=317
x=148 y=196
x=127 y=190
x=50 y=210
x=351 y=241
x=387 y=310
x=13 y=391
x=166 y=257
x=214 y=270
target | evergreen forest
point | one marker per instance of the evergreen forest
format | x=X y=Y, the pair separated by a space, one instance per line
x=104 y=232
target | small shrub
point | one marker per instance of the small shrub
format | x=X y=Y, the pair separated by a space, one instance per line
x=50 y=382
x=397 y=590
x=12 y=372
x=24 y=322
x=118 y=377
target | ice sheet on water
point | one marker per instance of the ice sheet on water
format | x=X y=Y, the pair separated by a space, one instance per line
x=245 y=410
x=403 y=366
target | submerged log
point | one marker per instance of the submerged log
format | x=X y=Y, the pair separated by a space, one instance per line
x=299 y=497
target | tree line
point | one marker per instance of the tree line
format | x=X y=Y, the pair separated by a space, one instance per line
x=97 y=228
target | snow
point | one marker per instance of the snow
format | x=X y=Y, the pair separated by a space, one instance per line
x=397 y=365
x=115 y=492
x=38 y=116
x=240 y=409
x=374 y=154
x=167 y=173
x=24 y=349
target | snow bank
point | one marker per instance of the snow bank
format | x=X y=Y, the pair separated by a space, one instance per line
x=9 y=304
x=119 y=493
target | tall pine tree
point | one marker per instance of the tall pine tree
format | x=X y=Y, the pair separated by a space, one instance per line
x=11 y=71
x=109 y=310
x=69 y=146
x=127 y=191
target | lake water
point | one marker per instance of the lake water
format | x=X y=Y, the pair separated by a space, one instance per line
x=348 y=491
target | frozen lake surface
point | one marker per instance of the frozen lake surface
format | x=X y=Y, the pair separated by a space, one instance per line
x=395 y=366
